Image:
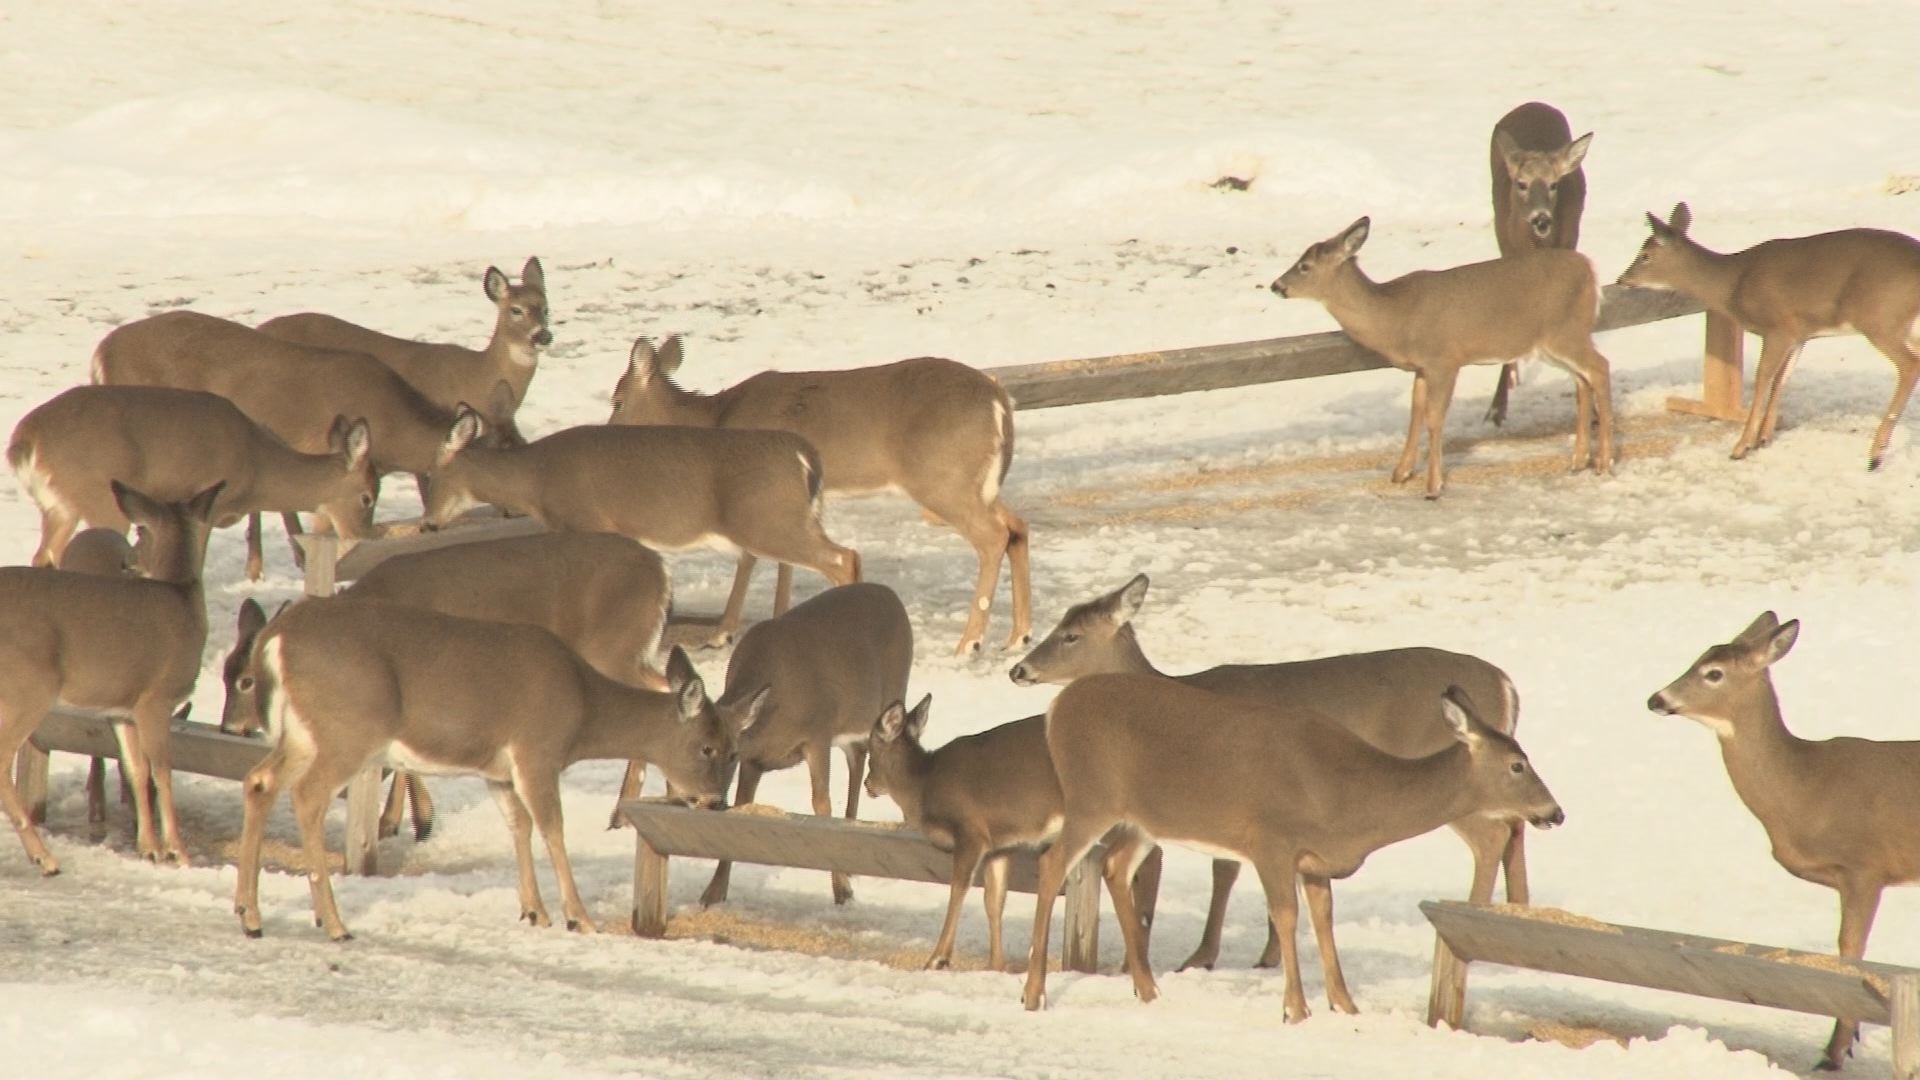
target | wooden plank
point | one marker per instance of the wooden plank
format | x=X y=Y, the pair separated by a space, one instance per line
x=1723 y=374
x=649 y=891
x=1705 y=967
x=1211 y=367
x=195 y=748
x=1080 y=926
x=1447 y=996
x=322 y=551
x=407 y=537
x=1904 y=1004
x=362 y=840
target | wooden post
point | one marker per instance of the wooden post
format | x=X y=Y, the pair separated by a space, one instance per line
x=649 y=889
x=1722 y=375
x=1447 y=997
x=30 y=779
x=323 y=551
x=1903 y=1003
x=1080 y=929
x=363 y=815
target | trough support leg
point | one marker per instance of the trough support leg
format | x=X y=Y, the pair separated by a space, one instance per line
x=30 y=779
x=1080 y=935
x=363 y=817
x=1722 y=374
x=649 y=889
x=1903 y=1006
x=323 y=551
x=1447 y=998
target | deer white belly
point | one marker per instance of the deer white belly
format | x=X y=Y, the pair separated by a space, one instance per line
x=399 y=755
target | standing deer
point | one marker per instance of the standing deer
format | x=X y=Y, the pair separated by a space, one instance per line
x=171 y=443
x=1539 y=191
x=451 y=374
x=294 y=391
x=979 y=796
x=670 y=488
x=1390 y=699
x=1301 y=799
x=127 y=647
x=935 y=430
x=833 y=662
x=1854 y=281
x=344 y=682
x=1838 y=812
x=1434 y=322
x=604 y=595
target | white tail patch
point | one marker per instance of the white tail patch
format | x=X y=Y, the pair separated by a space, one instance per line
x=990 y=483
x=97 y=368
x=283 y=721
x=813 y=483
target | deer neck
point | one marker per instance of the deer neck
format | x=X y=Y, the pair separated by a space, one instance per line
x=505 y=477
x=409 y=439
x=511 y=356
x=286 y=479
x=620 y=721
x=911 y=773
x=1359 y=304
x=1761 y=754
x=1127 y=656
x=690 y=408
x=1709 y=276
x=1427 y=792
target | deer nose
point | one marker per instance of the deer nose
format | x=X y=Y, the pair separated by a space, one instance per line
x=1279 y=287
x=1548 y=821
x=1659 y=703
x=544 y=338
x=1542 y=224
x=1021 y=676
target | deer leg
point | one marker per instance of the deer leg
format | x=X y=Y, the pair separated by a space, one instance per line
x=1074 y=841
x=1278 y=877
x=990 y=544
x=1146 y=889
x=1509 y=378
x=57 y=526
x=396 y=805
x=967 y=856
x=1772 y=418
x=723 y=871
x=292 y=523
x=1908 y=366
x=421 y=800
x=532 y=909
x=1515 y=864
x=540 y=791
x=1225 y=871
x=1439 y=398
x=156 y=750
x=1122 y=860
x=128 y=737
x=783 y=588
x=856 y=755
x=261 y=788
x=993 y=890
x=97 y=791
x=819 y=774
x=630 y=784
x=1320 y=907
x=1858 y=903
x=311 y=794
x=15 y=729
x=1020 y=579
x=1774 y=350
x=1487 y=839
x=736 y=602
x=1403 y=471
x=256 y=560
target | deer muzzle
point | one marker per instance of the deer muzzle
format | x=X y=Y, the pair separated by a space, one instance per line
x=1541 y=223
x=1548 y=821
x=543 y=337
x=1022 y=676
x=1279 y=287
x=1662 y=704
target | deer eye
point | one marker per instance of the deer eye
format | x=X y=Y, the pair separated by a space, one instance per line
x=1069 y=639
x=518 y=311
x=243 y=684
x=1520 y=186
x=366 y=500
x=1517 y=768
x=1714 y=675
x=1553 y=187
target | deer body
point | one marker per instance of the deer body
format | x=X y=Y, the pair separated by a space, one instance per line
x=1539 y=193
x=129 y=647
x=346 y=682
x=1853 y=281
x=1434 y=322
x=938 y=431
x=1838 y=812
x=832 y=663
x=1301 y=799
x=173 y=443
x=670 y=488
x=1390 y=699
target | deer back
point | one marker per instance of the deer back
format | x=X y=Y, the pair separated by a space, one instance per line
x=1480 y=312
x=1545 y=142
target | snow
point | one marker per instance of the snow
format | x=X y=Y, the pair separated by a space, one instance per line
x=843 y=182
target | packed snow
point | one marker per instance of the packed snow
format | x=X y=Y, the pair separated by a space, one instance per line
x=829 y=184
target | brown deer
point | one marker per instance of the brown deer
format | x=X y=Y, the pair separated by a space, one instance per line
x=172 y=443
x=670 y=488
x=1434 y=322
x=937 y=431
x=1391 y=699
x=832 y=663
x=128 y=647
x=1302 y=800
x=344 y=682
x=451 y=374
x=1539 y=192
x=1854 y=281
x=1838 y=812
x=604 y=595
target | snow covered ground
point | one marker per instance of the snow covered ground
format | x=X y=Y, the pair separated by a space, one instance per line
x=844 y=182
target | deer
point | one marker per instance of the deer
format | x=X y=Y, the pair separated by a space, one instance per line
x=1852 y=281
x=294 y=391
x=347 y=682
x=936 y=430
x=128 y=647
x=1390 y=699
x=1539 y=192
x=980 y=796
x=604 y=595
x=1302 y=799
x=833 y=662
x=450 y=374
x=1838 y=812
x=670 y=488
x=100 y=550
x=1434 y=322
x=171 y=443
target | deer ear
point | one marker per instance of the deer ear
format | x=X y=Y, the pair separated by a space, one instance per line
x=356 y=442
x=1759 y=629
x=1661 y=230
x=1457 y=708
x=641 y=360
x=200 y=507
x=917 y=719
x=890 y=724
x=679 y=669
x=672 y=351
x=1356 y=235
x=1506 y=147
x=1681 y=219
x=466 y=430
x=495 y=283
x=252 y=618
x=532 y=276
x=1779 y=643
x=1124 y=603
x=691 y=696
x=1575 y=153
x=756 y=708
x=129 y=500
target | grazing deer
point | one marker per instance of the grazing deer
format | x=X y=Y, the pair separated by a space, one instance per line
x=979 y=796
x=1838 y=812
x=1390 y=699
x=935 y=430
x=832 y=663
x=1434 y=322
x=294 y=391
x=171 y=443
x=345 y=682
x=127 y=647
x=451 y=374
x=670 y=488
x=604 y=595
x=1854 y=281
x=1539 y=191
x=1301 y=799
